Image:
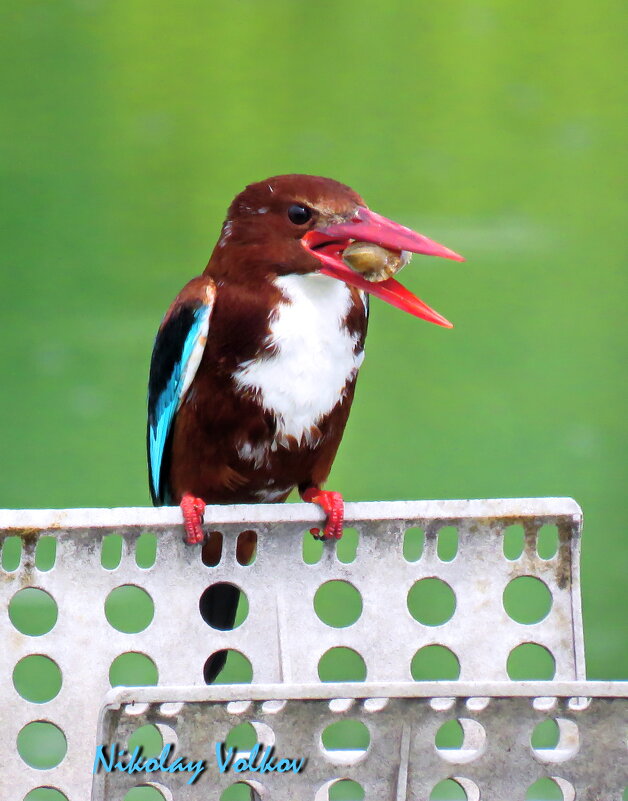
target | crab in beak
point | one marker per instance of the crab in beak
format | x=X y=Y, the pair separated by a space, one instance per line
x=328 y=242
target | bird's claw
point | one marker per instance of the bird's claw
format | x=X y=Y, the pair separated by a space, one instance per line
x=333 y=506
x=193 y=509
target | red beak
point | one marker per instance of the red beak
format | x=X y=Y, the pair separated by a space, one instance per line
x=328 y=243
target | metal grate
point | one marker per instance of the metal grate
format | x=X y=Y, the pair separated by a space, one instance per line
x=282 y=636
x=398 y=758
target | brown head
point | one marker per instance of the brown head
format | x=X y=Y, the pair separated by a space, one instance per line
x=302 y=224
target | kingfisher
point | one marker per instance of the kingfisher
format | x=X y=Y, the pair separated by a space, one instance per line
x=255 y=363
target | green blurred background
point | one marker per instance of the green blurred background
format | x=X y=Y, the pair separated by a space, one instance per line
x=493 y=127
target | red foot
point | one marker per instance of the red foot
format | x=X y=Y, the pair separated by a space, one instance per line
x=193 y=509
x=334 y=507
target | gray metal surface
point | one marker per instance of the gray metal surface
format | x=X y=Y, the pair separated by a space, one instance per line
x=282 y=636
x=496 y=761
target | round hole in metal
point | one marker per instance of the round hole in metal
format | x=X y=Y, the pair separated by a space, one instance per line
x=341 y=664
x=242 y=737
x=129 y=609
x=228 y=666
x=431 y=601
x=148 y=738
x=338 y=603
x=460 y=741
x=223 y=606
x=148 y=792
x=41 y=744
x=557 y=744
x=133 y=669
x=33 y=611
x=37 y=678
x=45 y=794
x=435 y=663
x=545 y=734
x=340 y=790
x=244 y=791
x=530 y=661
x=527 y=599
x=345 y=742
x=544 y=789
x=449 y=735
x=448 y=790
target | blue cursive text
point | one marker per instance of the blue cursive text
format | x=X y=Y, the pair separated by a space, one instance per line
x=267 y=763
x=133 y=763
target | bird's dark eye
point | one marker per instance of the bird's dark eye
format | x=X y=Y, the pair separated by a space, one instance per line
x=298 y=214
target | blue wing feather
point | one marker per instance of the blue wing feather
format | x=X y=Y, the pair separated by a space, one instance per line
x=176 y=356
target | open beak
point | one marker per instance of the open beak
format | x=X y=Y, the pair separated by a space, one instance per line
x=328 y=243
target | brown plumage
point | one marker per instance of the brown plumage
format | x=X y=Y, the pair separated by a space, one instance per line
x=218 y=416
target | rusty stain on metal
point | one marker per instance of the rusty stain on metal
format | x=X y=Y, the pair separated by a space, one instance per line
x=563 y=563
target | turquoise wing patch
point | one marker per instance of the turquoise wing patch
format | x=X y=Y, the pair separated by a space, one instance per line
x=176 y=356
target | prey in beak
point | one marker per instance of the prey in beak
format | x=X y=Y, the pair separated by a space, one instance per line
x=329 y=242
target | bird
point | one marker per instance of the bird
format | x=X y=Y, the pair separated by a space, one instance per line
x=255 y=362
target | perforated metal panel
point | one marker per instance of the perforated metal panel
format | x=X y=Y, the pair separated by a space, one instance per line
x=399 y=758
x=282 y=636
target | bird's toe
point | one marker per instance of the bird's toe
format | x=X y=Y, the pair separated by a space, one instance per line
x=192 y=509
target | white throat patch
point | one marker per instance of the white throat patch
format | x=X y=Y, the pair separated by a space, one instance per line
x=314 y=358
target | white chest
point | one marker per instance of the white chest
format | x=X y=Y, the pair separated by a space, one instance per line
x=313 y=358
